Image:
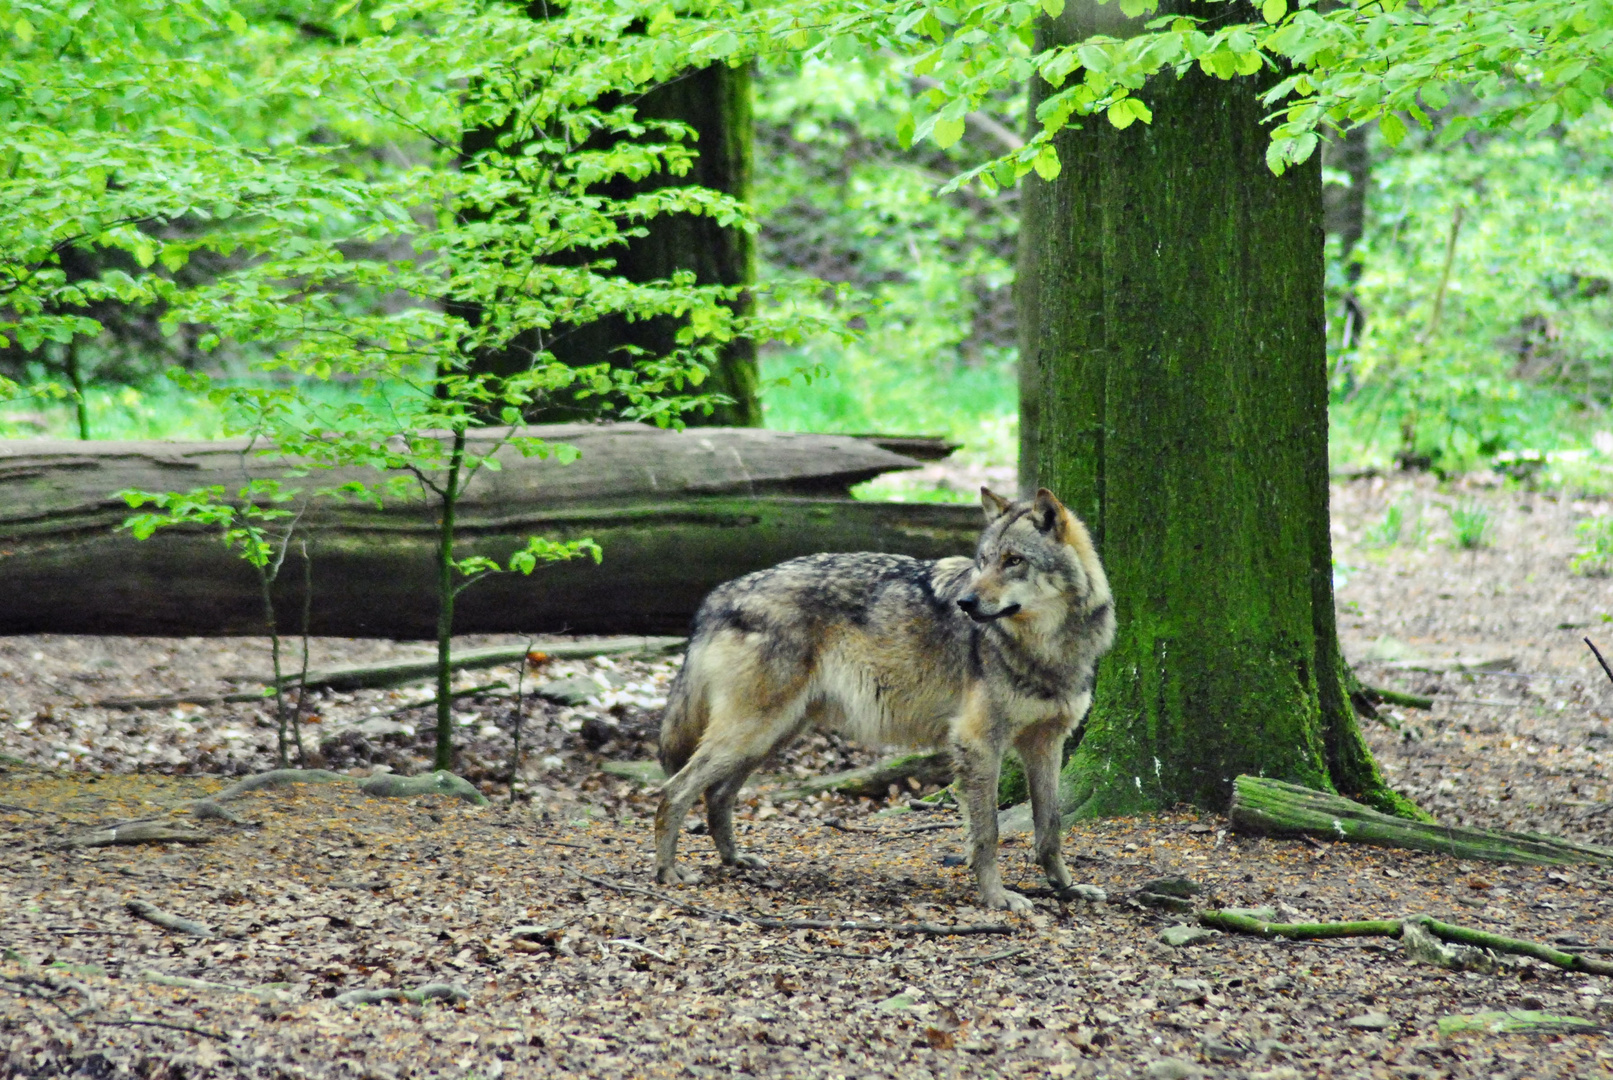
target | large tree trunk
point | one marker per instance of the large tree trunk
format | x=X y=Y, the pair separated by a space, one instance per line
x=1174 y=381
x=676 y=514
x=716 y=103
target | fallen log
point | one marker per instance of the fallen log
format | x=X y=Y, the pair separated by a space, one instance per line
x=1273 y=808
x=873 y=781
x=675 y=512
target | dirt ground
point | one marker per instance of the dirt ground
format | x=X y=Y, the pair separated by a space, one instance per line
x=320 y=890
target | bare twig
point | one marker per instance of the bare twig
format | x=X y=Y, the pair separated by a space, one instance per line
x=769 y=923
x=219 y=1035
x=1598 y=652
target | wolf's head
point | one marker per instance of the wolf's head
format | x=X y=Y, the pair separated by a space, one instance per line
x=1035 y=564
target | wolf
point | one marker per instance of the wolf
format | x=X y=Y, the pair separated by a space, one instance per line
x=973 y=655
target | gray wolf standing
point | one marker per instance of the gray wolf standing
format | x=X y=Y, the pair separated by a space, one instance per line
x=975 y=656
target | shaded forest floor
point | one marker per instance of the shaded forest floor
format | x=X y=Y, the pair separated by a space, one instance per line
x=321 y=890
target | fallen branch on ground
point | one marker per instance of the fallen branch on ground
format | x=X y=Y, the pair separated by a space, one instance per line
x=1273 y=808
x=168 y=701
x=137 y=832
x=769 y=923
x=928 y=826
x=1380 y=695
x=157 y=916
x=401 y=672
x=1241 y=923
x=430 y=702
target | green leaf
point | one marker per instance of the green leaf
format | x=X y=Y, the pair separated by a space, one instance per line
x=947 y=131
x=1127 y=111
x=1047 y=162
x=1392 y=128
x=1054 y=8
x=1273 y=11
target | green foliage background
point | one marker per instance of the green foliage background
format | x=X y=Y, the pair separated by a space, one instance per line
x=208 y=147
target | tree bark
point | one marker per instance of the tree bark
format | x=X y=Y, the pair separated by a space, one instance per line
x=1174 y=394
x=676 y=513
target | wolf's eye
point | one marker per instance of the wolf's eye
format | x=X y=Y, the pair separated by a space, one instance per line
x=1011 y=561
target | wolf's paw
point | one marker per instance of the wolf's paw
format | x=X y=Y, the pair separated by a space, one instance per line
x=748 y=862
x=677 y=875
x=1010 y=901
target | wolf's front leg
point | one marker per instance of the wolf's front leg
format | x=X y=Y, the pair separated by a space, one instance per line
x=976 y=763
x=1040 y=748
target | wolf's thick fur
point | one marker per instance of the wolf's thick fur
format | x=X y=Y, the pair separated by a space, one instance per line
x=975 y=656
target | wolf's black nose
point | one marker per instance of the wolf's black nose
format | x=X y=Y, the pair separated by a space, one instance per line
x=969 y=603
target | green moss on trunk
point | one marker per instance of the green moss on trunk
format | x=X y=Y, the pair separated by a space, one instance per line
x=1174 y=374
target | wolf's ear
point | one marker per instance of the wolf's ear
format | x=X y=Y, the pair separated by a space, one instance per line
x=994 y=504
x=1048 y=513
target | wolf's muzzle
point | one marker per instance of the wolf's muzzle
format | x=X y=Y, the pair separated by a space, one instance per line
x=971 y=607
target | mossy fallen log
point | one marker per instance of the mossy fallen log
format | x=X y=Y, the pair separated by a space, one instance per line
x=1265 y=807
x=676 y=514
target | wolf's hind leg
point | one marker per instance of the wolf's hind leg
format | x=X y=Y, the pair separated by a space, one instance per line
x=1040 y=748
x=702 y=770
x=720 y=819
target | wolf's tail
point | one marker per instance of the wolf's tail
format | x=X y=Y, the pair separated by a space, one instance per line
x=684 y=721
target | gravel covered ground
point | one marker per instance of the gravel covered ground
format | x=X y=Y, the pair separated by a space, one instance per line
x=320 y=891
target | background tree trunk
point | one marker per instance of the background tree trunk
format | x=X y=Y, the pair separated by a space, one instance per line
x=1174 y=372
x=716 y=103
x=676 y=513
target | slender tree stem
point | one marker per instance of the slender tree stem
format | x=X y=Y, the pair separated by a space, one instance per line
x=302 y=673
x=445 y=603
x=75 y=375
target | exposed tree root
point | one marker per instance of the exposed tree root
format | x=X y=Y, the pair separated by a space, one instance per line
x=1242 y=923
x=1274 y=808
x=769 y=923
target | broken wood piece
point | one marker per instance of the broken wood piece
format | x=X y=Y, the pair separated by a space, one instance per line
x=158 y=917
x=1264 y=807
x=138 y=832
x=1608 y=671
x=1380 y=695
x=431 y=702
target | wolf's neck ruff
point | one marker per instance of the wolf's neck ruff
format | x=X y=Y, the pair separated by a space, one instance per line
x=975 y=655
